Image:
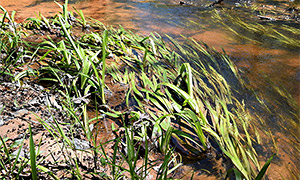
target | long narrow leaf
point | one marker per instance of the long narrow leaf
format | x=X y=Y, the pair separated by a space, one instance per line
x=32 y=156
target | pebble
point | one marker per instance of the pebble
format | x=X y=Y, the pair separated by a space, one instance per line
x=81 y=144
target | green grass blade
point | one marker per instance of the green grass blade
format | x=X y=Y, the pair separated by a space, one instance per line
x=104 y=44
x=264 y=168
x=32 y=156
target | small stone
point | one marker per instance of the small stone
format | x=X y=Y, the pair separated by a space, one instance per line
x=34 y=102
x=156 y=168
x=1 y=121
x=20 y=112
x=81 y=144
x=22 y=153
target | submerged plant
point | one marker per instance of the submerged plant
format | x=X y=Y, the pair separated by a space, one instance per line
x=286 y=34
x=179 y=97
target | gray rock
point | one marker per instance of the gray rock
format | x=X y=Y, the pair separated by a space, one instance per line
x=1 y=121
x=1 y=107
x=34 y=102
x=20 y=112
x=22 y=153
x=81 y=144
x=80 y=100
x=108 y=93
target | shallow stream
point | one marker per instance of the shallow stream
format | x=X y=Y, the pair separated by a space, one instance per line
x=262 y=57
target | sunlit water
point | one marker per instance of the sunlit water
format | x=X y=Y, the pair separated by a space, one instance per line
x=281 y=65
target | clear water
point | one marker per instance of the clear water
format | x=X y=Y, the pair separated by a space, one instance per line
x=277 y=62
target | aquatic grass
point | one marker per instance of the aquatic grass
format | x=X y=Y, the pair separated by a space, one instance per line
x=285 y=96
x=39 y=23
x=286 y=35
x=132 y=154
x=264 y=168
x=191 y=100
x=104 y=54
x=77 y=49
x=162 y=102
x=83 y=63
x=130 y=157
x=224 y=123
x=215 y=77
x=10 y=19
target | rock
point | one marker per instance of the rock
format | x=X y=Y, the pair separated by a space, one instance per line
x=81 y=144
x=156 y=168
x=1 y=107
x=20 y=113
x=34 y=102
x=53 y=102
x=22 y=153
x=83 y=99
x=107 y=93
x=1 y=121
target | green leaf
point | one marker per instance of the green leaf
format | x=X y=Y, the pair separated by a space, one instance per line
x=185 y=70
x=192 y=103
x=264 y=168
x=32 y=156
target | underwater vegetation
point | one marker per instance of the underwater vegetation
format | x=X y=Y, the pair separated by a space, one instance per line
x=176 y=100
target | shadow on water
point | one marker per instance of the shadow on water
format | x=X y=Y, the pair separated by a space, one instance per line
x=271 y=66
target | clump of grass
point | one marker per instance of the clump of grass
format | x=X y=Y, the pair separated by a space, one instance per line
x=11 y=50
x=15 y=162
x=12 y=166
